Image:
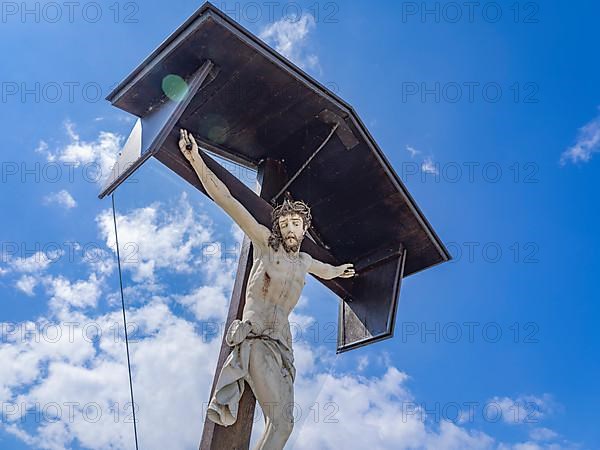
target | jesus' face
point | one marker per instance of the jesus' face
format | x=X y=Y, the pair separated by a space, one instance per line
x=292 y=231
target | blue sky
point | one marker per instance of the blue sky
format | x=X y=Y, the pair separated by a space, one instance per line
x=489 y=113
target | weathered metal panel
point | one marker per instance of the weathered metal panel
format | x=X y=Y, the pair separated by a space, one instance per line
x=370 y=316
x=151 y=130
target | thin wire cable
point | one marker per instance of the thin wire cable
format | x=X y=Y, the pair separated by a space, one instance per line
x=125 y=323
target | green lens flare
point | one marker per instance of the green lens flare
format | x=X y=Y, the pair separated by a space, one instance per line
x=174 y=87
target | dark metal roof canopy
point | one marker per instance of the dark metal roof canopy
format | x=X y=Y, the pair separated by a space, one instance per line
x=247 y=103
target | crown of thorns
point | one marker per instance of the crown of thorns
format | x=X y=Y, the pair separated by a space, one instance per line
x=293 y=207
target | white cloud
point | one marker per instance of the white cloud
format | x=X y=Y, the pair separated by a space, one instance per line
x=38 y=262
x=543 y=434
x=363 y=363
x=158 y=237
x=31 y=268
x=429 y=166
x=26 y=284
x=525 y=409
x=65 y=294
x=413 y=151
x=588 y=143
x=42 y=148
x=289 y=37
x=98 y=156
x=206 y=302
x=88 y=385
x=99 y=260
x=529 y=445
x=367 y=412
x=62 y=198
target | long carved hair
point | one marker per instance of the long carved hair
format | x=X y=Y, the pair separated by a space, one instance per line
x=287 y=207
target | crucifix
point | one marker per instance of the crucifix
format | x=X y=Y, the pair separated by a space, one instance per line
x=330 y=204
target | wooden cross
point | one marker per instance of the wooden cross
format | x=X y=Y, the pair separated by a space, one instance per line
x=245 y=102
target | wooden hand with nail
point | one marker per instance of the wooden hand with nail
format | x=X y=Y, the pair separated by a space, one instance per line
x=347 y=271
x=188 y=146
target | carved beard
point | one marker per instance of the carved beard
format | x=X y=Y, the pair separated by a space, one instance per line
x=291 y=248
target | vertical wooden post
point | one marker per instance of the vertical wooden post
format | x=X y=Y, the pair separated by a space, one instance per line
x=271 y=176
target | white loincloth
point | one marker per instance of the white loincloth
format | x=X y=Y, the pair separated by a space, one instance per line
x=223 y=407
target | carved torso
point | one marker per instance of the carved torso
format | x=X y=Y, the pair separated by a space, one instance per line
x=274 y=287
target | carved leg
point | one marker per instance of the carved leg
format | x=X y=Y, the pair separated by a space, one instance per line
x=275 y=394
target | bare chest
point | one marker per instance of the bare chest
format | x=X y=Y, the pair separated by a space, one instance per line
x=278 y=278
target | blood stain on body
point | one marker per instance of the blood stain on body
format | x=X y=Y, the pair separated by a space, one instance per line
x=266 y=283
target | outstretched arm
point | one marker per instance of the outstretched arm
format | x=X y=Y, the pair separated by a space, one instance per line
x=327 y=271
x=218 y=191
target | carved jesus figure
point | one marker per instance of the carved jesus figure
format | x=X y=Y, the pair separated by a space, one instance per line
x=261 y=342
